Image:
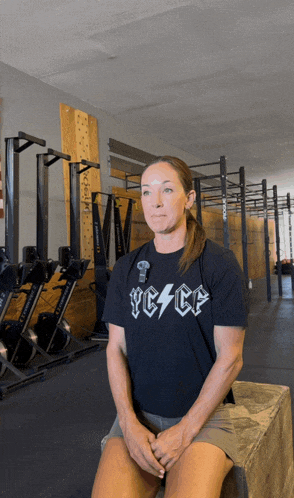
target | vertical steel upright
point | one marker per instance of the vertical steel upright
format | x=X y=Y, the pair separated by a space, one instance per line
x=12 y=199
x=243 y=221
x=197 y=187
x=277 y=228
x=266 y=240
x=120 y=249
x=223 y=175
x=106 y=230
x=100 y=264
x=75 y=222
x=290 y=238
x=128 y=225
x=42 y=207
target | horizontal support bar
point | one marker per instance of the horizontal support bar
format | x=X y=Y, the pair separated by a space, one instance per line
x=90 y=164
x=30 y=139
x=131 y=152
x=58 y=155
x=205 y=164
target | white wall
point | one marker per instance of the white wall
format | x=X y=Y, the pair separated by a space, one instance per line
x=33 y=107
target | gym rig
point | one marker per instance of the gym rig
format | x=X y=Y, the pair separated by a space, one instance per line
x=238 y=196
x=27 y=353
x=19 y=344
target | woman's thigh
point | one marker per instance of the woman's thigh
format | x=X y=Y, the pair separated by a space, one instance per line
x=199 y=472
x=120 y=476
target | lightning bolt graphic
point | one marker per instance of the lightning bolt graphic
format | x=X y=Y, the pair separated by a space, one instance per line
x=165 y=298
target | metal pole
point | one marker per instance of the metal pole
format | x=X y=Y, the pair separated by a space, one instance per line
x=279 y=266
x=197 y=187
x=106 y=230
x=42 y=207
x=75 y=223
x=128 y=226
x=244 y=225
x=266 y=240
x=120 y=249
x=12 y=200
x=290 y=239
x=223 y=174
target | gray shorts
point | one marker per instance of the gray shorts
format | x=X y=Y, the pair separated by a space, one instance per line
x=218 y=430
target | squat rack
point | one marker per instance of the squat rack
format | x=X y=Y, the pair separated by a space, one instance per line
x=260 y=204
x=225 y=187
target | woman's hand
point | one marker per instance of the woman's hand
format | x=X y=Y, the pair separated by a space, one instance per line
x=138 y=439
x=170 y=444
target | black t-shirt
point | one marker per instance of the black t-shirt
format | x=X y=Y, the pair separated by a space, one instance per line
x=169 y=321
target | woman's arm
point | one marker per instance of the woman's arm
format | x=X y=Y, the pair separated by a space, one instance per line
x=171 y=443
x=118 y=374
x=137 y=437
x=229 y=348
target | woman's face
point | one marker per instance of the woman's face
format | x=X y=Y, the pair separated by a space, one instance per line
x=163 y=198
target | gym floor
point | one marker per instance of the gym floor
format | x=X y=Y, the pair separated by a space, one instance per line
x=51 y=431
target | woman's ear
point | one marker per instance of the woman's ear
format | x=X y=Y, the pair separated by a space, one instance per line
x=190 y=199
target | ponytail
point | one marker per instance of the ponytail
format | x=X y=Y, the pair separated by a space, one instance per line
x=195 y=243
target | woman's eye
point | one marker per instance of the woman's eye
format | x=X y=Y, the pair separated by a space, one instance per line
x=145 y=193
x=168 y=190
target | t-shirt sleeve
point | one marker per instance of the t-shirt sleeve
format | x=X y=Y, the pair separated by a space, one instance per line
x=114 y=308
x=229 y=294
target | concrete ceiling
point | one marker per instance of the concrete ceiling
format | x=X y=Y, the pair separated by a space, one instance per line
x=212 y=77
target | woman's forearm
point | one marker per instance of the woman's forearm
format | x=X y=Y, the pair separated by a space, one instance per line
x=120 y=385
x=214 y=390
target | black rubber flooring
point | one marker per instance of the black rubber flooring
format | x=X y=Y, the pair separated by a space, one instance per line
x=50 y=431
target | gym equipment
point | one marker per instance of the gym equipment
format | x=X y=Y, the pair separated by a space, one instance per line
x=223 y=186
x=52 y=329
x=266 y=239
x=101 y=241
x=12 y=274
x=290 y=238
x=101 y=238
x=278 y=265
x=236 y=198
x=21 y=341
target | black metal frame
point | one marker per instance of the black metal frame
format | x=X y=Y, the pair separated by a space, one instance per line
x=73 y=268
x=266 y=239
x=277 y=229
x=290 y=238
x=223 y=179
x=101 y=239
x=242 y=181
x=13 y=275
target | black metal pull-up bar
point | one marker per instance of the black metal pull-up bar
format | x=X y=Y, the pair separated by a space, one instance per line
x=223 y=180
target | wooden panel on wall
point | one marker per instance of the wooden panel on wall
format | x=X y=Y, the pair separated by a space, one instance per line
x=79 y=133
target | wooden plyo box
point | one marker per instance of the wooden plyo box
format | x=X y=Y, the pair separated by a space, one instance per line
x=263 y=423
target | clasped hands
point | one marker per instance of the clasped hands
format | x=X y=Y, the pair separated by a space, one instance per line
x=170 y=444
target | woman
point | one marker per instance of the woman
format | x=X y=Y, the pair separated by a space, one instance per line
x=176 y=309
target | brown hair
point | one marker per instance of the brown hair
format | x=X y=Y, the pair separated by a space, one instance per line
x=196 y=237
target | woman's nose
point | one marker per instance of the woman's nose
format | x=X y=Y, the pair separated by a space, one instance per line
x=157 y=200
